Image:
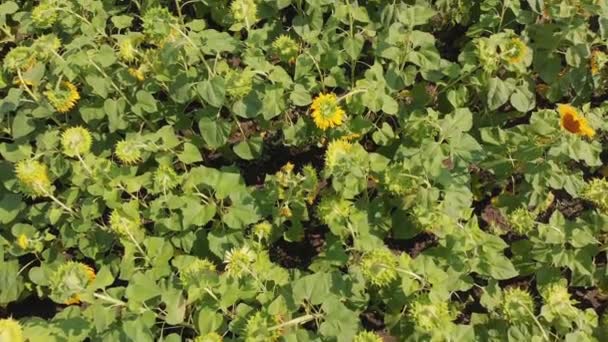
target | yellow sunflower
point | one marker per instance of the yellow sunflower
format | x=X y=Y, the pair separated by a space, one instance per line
x=326 y=112
x=574 y=122
x=63 y=98
x=515 y=50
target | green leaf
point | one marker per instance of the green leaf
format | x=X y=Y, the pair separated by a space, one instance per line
x=196 y=214
x=249 y=149
x=122 y=21
x=213 y=91
x=10 y=206
x=300 y=96
x=415 y=15
x=23 y=125
x=498 y=93
x=190 y=154
x=214 y=132
x=353 y=46
x=146 y=101
x=11 y=282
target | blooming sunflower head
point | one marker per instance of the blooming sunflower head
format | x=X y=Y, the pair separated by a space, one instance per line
x=69 y=281
x=573 y=122
x=517 y=305
x=515 y=50
x=76 y=141
x=63 y=97
x=238 y=261
x=125 y=225
x=159 y=24
x=196 y=272
x=379 y=267
x=129 y=151
x=326 y=111
x=209 y=337
x=19 y=58
x=367 y=336
x=286 y=48
x=10 y=330
x=45 y=14
x=33 y=177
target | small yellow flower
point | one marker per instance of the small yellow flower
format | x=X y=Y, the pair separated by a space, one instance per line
x=139 y=73
x=285 y=212
x=287 y=168
x=23 y=242
x=76 y=141
x=10 y=331
x=574 y=122
x=352 y=136
x=598 y=58
x=326 y=112
x=515 y=51
x=64 y=98
x=34 y=177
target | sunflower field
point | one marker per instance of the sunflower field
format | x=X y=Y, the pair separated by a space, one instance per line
x=303 y=170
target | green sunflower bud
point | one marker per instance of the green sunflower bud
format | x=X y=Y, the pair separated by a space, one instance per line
x=522 y=221
x=69 y=281
x=45 y=14
x=517 y=305
x=10 y=331
x=596 y=191
x=285 y=48
x=209 y=337
x=76 y=141
x=431 y=317
x=159 y=25
x=367 y=336
x=379 y=267
x=258 y=328
x=33 y=177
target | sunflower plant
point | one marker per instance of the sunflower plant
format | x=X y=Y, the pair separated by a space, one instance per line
x=254 y=170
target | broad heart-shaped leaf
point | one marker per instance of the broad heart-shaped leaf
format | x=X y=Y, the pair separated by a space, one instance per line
x=523 y=99
x=215 y=132
x=175 y=306
x=146 y=101
x=196 y=214
x=340 y=322
x=243 y=211
x=209 y=320
x=213 y=91
x=249 y=149
x=498 y=93
x=190 y=155
x=142 y=287
x=225 y=181
x=415 y=15
x=11 y=282
x=353 y=46
x=10 y=206
x=314 y=288
x=496 y=266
